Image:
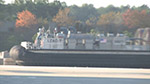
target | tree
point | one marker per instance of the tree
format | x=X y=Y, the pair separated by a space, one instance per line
x=92 y=21
x=83 y=13
x=109 y=18
x=40 y=1
x=25 y=19
x=136 y=19
x=62 y=18
x=42 y=22
x=2 y=2
x=127 y=33
x=109 y=8
x=110 y=21
x=124 y=8
x=19 y=2
x=94 y=32
x=140 y=8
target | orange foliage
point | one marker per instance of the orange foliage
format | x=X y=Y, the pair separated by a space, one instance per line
x=110 y=18
x=62 y=18
x=25 y=19
x=135 y=18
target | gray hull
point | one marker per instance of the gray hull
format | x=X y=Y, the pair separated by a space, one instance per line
x=83 y=58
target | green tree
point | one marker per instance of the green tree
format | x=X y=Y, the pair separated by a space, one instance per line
x=108 y=9
x=2 y=1
x=19 y=2
x=12 y=40
x=83 y=13
x=127 y=33
x=41 y=1
x=94 y=32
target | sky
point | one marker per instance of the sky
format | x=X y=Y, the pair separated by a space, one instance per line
x=103 y=3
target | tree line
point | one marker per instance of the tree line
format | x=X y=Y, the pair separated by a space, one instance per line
x=28 y=15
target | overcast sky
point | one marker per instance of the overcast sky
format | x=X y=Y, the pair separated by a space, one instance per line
x=103 y=3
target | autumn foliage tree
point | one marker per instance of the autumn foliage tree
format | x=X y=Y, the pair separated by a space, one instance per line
x=110 y=18
x=25 y=19
x=136 y=19
x=92 y=21
x=110 y=21
x=62 y=18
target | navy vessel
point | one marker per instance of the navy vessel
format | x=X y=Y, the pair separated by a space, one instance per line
x=85 y=50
